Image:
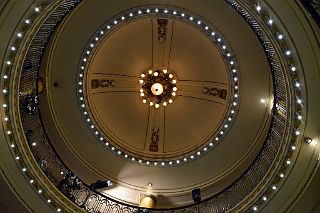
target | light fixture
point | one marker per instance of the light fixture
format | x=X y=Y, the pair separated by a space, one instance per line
x=157 y=88
x=307 y=140
x=258 y=8
x=299 y=101
x=196 y=196
x=100 y=184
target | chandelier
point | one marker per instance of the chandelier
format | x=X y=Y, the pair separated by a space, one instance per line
x=158 y=87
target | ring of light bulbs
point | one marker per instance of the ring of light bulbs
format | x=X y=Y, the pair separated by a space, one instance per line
x=164 y=12
x=22 y=163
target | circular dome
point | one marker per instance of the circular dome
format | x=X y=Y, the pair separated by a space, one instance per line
x=166 y=54
x=227 y=150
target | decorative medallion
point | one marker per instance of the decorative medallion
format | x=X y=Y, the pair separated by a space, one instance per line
x=162 y=30
x=212 y=91
x=96 y=83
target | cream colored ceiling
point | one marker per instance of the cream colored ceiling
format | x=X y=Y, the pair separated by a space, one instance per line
x=91 y=161
x=183 y=126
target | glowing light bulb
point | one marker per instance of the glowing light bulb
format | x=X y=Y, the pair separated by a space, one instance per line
x=270 y=22
x=164 y=71
x=157 y=105
x=174 y=89
x=157 y=89
x=170 y=76
x=258 y=8
x=150 y=72
x=170 y=101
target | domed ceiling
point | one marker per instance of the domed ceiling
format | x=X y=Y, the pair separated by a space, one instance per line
x=157 y=99
x=214 y=117
x=150 y=125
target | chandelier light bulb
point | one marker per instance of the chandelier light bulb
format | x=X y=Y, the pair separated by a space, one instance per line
x=170 y=76
x=151 y=103
x=157 y=89
x=164 y=71
x=157 y=105
x=141 y=81
x=170 y=101
x=155 y=74
x=150 y=72
x=174 y=89
x=143 y=75
x=144 y=101
x=164 y=103
x=174 y=81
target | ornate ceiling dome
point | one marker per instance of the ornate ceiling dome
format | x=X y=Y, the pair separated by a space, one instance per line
x=123 y=75
x=159 y=100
